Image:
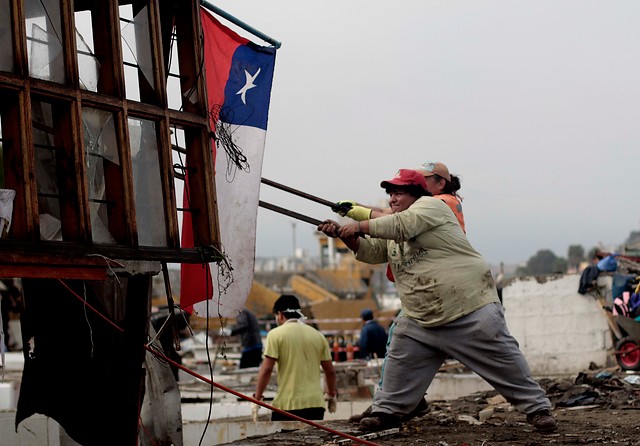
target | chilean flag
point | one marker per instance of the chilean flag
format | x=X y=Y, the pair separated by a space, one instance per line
x=239 y=75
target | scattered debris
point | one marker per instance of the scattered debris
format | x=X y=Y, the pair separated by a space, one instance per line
x=598 y=407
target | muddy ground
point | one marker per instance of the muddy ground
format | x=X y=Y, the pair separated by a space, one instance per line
x=589 y=410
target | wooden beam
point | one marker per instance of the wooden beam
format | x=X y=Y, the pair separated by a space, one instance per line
x=57 y=253
x=49 y=272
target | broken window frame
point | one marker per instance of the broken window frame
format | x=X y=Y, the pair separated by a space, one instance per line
x=24 y=250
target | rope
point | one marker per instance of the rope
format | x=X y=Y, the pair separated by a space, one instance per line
x=161 y=356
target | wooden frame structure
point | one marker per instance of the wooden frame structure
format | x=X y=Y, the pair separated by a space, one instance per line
x=94 y=141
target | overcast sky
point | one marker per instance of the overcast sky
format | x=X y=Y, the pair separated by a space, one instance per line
x=535 y=105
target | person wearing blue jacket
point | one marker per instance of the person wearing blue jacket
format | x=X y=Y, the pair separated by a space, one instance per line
x=373 y=338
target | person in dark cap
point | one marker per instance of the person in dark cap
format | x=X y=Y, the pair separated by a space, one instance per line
x=249 y=330
x=373 y=338
x=450 y=306
x=299 y=351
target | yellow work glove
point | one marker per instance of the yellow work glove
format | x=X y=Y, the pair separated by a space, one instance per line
x=359 y=213
x=342 y=207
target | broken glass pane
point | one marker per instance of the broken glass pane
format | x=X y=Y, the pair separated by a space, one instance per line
x=178 y=154
x=44 y=40
x=46 y=170
x=6 y=53
x=147 y=185
x=175 y=96
x=136 y=50
x=101 y=149
x=88 y=65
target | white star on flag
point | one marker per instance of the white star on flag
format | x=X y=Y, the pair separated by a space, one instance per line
x=248 y=85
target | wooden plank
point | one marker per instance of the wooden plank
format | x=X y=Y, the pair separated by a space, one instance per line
x=122 y=135
x=67 y=175
x=69 y=44
x=49 y=272
x=610 y=321
x=99 y=100
x=148 y=88
x=19 y=37
x=14 y=177
x=58 y=260
x=77 y=150
x=169 y=194
x=190 y=119
x=145 y=110
x=155 y=44
x=52 y=90
x=191 y=60
x=200 y=180
x=61 y=252
x=104 y=38
x=9 y=81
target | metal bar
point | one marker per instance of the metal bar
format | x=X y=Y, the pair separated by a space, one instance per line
x=371 y=435
x=171 y=305
x=213 y=8
x=278 y=209
x=291 y=190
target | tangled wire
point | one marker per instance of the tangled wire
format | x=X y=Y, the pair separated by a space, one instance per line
x=223 y=137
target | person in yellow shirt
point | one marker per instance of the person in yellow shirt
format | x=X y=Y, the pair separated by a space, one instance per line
x=449 y=302
x=299 y=351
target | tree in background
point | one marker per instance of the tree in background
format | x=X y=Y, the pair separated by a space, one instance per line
x=575 y=256
x=544 y=262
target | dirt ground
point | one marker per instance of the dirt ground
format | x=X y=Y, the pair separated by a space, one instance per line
x=589 y=410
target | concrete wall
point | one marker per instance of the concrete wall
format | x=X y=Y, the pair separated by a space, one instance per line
x=559 y=330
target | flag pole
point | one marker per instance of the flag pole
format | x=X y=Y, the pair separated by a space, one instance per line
x=283 y=211
x=299 y=193
x=213 y=8
x=296 y=215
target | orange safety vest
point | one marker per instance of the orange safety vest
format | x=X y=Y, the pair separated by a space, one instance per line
x=455 y=205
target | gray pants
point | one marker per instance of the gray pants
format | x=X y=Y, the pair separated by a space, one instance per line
x=480 y=340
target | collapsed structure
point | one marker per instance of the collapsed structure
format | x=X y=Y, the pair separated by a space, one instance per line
x=103 y=122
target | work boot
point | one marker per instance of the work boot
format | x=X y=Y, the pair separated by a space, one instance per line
x=355 y=419
x=379 y=421
x=421 y=409
x=542 y=420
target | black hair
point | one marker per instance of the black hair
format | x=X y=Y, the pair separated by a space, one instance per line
x=414 y=190
x=451 y=187
x=287 y=302
x=366 y=315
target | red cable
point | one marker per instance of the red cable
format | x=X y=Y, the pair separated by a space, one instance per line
x=146 y=431
x=220 y=386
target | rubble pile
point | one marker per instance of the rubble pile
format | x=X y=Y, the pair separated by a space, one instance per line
x=594 y=408
x=603 y=389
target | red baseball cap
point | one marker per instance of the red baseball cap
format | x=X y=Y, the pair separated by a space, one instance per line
x=406 y=177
